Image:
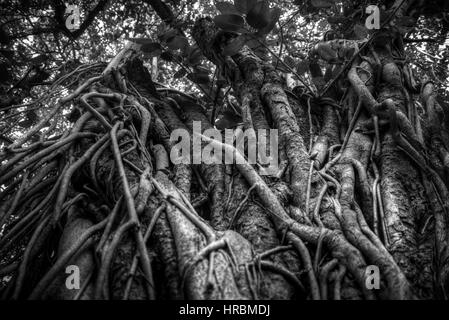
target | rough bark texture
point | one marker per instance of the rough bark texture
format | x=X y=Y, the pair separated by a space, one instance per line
x=364 y=183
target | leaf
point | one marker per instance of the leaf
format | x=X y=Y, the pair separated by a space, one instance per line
x=141 y=40
x=234 y=46
x=244 y=6
x=350 y=53
x=226 y=7
x=8 y=54
x=167 y=56
x=275 y=14
x=152 y=49
x=167 y=34
x=322 y=24
x=230 y=22
x=178 y=42
x=360 y=31
x=31 y=116
x=180 y=74
x=148 y=47
x=290 y=61
x=405 y=24
x=200 y=78
x=4 y=37
x=381 y=38
x=194 y=56
x=25 y=123
x=322 y=3
x=39 y=59
x=302 y=67
x=201 y=69
x=328 y=74
x=259 y=16
x=4 y=73
x=336 y=19
x=272 y=42
x=280 y=66
x=406 y=21
x=221 y=81
x=253 y=43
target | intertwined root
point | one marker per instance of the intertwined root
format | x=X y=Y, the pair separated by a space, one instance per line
x=320 y=222
x=209 y=252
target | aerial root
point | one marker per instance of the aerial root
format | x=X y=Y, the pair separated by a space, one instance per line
x=147 y=235
x=62 y=261
x=190 y=213
x=204 y=253
x=276 y=268
x=129 y=200
x=324 y=277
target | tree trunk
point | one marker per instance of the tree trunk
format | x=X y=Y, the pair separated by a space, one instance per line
x=105 y=197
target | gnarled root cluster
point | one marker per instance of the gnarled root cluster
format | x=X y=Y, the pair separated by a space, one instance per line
x=359 y=189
